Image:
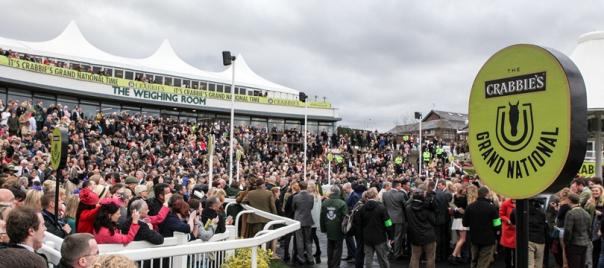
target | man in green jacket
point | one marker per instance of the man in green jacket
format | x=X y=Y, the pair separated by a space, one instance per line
x=332 y=213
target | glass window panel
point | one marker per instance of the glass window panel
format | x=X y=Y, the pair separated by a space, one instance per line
x=89 y=110
x=150 y=112
x=131 y=110
x=227 y=89
x=110 y=108
x=212 y=87
x=129 y=75
x=118 y=73
x=177 y=82
x=220 y=88
x=168 y=81
x=203 y=85
x=276 y=125
x=159 y=79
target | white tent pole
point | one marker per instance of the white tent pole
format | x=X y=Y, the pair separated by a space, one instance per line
x=598 y=145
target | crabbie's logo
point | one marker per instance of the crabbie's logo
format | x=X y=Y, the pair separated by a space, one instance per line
x=527 y=121
x=515 y=85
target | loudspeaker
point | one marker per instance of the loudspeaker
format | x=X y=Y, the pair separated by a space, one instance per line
x=227 y=59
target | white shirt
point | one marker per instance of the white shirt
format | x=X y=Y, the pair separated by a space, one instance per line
x=27 y=247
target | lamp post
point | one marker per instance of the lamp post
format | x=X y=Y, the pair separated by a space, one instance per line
x=303 y=98
x=227 y=60
x=418 y=116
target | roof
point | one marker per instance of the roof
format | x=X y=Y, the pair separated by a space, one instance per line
x=72 y=45
x=428 y=125
x=452 y=116
x=589 y=58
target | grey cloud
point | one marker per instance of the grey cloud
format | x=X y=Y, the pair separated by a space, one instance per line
x=373 y=59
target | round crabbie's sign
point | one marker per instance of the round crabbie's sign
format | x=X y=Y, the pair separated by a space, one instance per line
x=527 y=121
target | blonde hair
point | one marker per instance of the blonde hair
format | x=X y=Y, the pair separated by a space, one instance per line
x=114 y=261
x=48 y=185
x=600 y=200
x=71 y=206
x=564 y=193
x=221 y=194
x=33 y=200
x=472 y=193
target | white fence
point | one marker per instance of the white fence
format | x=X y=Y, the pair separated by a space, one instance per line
x=178 y=252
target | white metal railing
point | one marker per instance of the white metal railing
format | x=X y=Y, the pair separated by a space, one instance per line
x=186 y=255
x=178 y=252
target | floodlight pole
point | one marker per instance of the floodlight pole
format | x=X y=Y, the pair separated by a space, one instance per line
x=421 y=156
x=232 y=132
x=305 y=134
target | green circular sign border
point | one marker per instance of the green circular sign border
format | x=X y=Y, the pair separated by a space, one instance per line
x=577 y=144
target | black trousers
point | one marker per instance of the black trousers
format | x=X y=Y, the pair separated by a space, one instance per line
x=576 y=256
x=443 y=247
x=359 y=258
x=509 y=257
x=334 y=253
x=315 y=238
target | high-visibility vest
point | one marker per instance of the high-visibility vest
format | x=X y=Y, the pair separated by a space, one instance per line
x=427 y=156
x=398 y=160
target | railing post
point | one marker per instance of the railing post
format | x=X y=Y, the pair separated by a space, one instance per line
x=254 y=257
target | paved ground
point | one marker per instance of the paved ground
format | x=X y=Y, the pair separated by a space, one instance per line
x=397 y=263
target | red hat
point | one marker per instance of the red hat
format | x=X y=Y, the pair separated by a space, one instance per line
x=116 y=201
x=88 y=197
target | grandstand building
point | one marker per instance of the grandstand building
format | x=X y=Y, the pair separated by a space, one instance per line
x=442 y=125
x=68 y=70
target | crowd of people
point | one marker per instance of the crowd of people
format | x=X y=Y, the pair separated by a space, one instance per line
x=131 y=177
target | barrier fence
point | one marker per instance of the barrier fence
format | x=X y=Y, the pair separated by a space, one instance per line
x=178 y=252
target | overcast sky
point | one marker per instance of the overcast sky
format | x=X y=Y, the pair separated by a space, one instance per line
x=377 y=61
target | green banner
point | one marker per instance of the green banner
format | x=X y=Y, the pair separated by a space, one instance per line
x=121 y=84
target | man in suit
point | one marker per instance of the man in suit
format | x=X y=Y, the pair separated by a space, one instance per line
x=262 y=199
x=25 y=228
x=443 y=197
x=394 y=201
x=302 y=204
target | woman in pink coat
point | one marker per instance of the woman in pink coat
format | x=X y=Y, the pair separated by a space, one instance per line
x=508 y=232
x=106 y=230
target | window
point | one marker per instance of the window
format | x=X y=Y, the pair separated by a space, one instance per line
x=259 y=123
x=89 y=108
x=119 y=73
x=129 y=75
x=108 y=71
x=186 y=83
x=131 y=110
x=292 y=125
x=96 y=69
x=278 y=124
x=220 y=88
x=46 y=100
x=251 y=93
x=168 y=81
x=227 y=89
x=177 y=82
x=203 y=85
x=195 y=84
x=150 y=112
x=109 y=108
x=159 y=79
x=212 y=87
x=241 y=121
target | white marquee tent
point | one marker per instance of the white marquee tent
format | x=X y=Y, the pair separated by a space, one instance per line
x=589 y=58
x=72 y=45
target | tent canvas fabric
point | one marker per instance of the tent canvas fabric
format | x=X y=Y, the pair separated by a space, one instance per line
x=72 y=45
